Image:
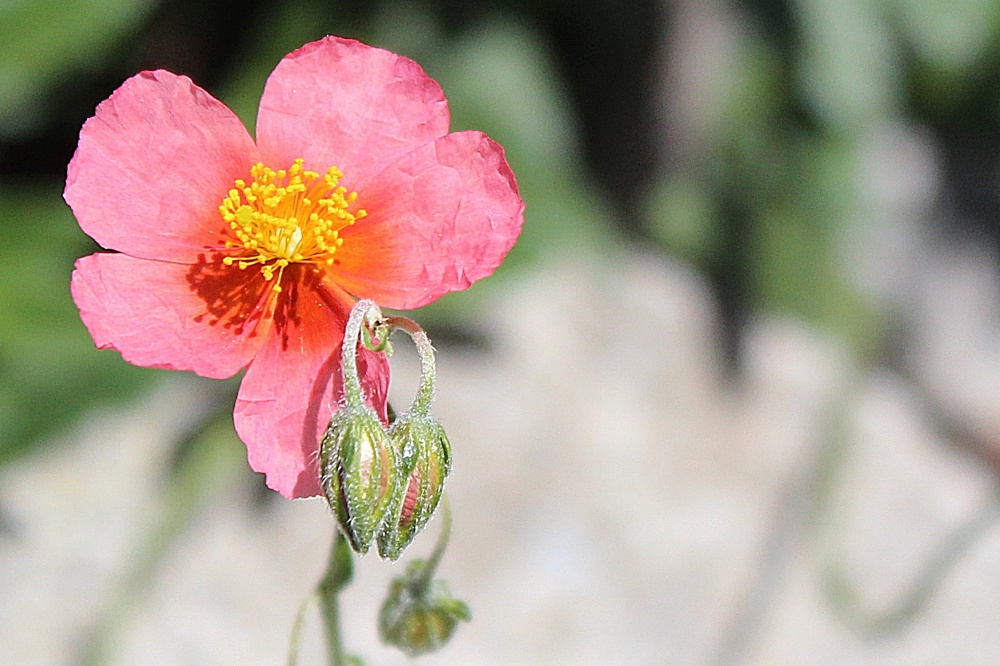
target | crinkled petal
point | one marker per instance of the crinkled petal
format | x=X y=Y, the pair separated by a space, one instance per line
x=338 y=102
x=439 y=218
x=293 y=387
x=160 y=314
x=153 y=165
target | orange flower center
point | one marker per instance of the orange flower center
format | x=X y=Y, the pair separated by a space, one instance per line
x=287 y=216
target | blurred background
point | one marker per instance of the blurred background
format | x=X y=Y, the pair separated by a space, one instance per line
x=733 y=398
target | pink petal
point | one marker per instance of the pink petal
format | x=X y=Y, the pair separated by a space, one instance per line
x=293 y=386
x=440 y=218
x=153 y=165
x=338 y=102
x=166 y=315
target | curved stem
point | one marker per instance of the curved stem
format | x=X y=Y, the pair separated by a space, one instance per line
x=847 y=600
x=349 y=351
x=425 y=394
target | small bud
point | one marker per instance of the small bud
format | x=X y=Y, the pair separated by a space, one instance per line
x=424 y=452
x=360 y=477
x=418 y=617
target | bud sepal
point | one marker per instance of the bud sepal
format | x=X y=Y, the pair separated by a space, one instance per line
x=360 y=474
x=418 y=617
x=424 y=453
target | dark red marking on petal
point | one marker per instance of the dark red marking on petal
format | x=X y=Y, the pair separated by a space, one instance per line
x=234 y=299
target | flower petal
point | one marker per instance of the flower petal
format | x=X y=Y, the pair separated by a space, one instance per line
x=338 y=102
x=293 y=386
x=156 y=314
x=439 y=218
x=153 y=165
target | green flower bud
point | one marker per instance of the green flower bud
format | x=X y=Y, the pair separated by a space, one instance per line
x=425 y=454
x=360 y=477
x=418 y=617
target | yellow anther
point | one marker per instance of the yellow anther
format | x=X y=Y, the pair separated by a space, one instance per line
x=286 y=216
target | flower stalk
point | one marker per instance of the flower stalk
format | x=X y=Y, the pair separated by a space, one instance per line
x=422 y=449
x=339 y=571
x=425 y=393
x=366 y=319
x=420 y=615
x=360 y=466
x=384 y=484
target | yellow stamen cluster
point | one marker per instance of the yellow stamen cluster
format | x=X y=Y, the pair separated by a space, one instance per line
x=284 y=217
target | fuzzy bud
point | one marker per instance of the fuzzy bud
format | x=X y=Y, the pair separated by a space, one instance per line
x=424 y=454
x=360 y=476
x=418 y=617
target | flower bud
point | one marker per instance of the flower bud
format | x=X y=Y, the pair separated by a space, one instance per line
x=418 y=618
x=424 y=452
x=360 y=477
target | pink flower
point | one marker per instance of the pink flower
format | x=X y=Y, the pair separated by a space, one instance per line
x=231 y=253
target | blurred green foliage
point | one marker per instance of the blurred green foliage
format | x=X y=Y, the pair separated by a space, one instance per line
x=49 y=369
x=45 y=41
x=801 y=90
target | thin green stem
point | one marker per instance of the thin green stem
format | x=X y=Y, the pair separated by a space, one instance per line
x=847 y=600
x=339 y=571
x=427 y=575
x=425 y=394
x=349 y=351
x=300 y=618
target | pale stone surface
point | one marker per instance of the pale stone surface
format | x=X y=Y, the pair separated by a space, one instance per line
x=616 y=501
